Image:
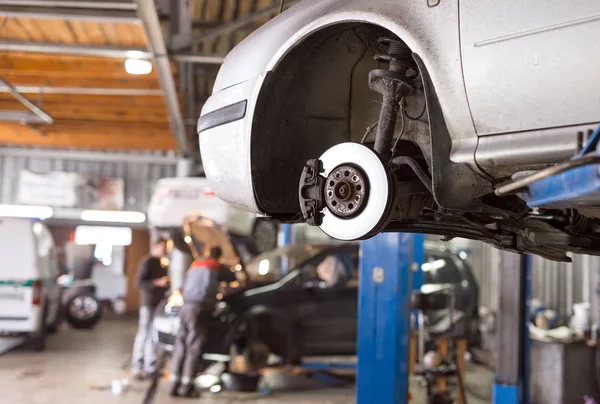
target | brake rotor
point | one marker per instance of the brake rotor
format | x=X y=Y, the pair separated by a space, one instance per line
x=368 y=178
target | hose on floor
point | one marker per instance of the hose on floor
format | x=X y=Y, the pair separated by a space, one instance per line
x=151 y=392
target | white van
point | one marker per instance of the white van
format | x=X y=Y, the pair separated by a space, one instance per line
x=29 y=292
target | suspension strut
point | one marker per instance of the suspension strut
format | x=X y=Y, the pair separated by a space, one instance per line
x=393 y=84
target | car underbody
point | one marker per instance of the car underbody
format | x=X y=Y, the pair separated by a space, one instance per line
x=360 y=84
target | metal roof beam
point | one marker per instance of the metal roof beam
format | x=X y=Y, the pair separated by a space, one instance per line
x=28 y=104
x=20 y=117
x=156 y=45
x=71 y=14
x=95 y=4
x=234 y=25
x=81 y=155
x=135 y=92
x=57 y=48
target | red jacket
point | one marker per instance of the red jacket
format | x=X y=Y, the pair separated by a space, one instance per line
x=209 y=263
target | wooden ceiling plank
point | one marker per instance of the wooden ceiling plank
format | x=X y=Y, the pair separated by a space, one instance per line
x=245 y=7
x=82 y=33
x=25 y=79
x=78 y=66
x=60 y=29
x=24 y=30
x=98 y=101
x=96 y=141
x=93 y=32
x=127 y=116
x=212 y=10
x=110 y=34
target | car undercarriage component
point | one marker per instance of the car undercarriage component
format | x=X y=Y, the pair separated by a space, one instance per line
x=393 y=85
x=352 y=176
x=404 y=180
x=346 y=190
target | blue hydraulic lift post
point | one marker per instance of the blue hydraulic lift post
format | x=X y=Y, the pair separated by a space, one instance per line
x=285 y=238
x=511 y=384
x=386 y=272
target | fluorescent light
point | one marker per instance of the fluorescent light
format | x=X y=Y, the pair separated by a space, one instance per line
x=138 y=66
x=86 y=235
x=29 y=211
x=113 y=216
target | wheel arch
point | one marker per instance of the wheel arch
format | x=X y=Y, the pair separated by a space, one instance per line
x=275 y=169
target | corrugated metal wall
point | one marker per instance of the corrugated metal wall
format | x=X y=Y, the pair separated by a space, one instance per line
x=556 y=284
x=139 y=170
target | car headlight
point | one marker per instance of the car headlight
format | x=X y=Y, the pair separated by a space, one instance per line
x=220 y=309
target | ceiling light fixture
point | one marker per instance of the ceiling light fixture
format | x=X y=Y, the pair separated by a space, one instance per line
x=28 y=211
x=138 y=66
x=113 y=216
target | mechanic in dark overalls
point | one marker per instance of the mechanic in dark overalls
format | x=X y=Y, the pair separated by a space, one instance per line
x=200 y=290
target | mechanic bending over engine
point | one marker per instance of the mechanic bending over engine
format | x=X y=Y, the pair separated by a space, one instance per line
x=200 y=290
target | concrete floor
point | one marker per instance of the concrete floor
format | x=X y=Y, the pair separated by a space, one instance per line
x=78 y=367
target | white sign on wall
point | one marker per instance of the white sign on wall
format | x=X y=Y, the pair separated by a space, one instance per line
x=70 y=190
x=52 y=189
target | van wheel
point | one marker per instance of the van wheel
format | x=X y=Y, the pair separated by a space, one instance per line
x=37 y=341
x=83 y=311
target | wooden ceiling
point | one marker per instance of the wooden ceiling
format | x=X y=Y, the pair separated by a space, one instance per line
x=98 y=121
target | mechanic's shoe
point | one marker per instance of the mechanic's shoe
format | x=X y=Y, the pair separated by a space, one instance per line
x=174 y=390
x=138 y=376
x=189 y=391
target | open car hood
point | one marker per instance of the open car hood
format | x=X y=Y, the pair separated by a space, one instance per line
x=201 y=234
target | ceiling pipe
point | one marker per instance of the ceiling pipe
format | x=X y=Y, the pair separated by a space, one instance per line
x=157 y=47
x=70 y=14
x=134 y=92
x=117 y=52
x=23 y=100
x=97 y=4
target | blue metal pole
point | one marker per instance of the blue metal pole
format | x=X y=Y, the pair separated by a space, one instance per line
x=418 y=258
x=286 y=235
x=386 y=271
x=285 y=239
x=527 y=262
x=512 y=368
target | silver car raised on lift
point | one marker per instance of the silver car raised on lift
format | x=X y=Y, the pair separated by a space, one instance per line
x=362 y=116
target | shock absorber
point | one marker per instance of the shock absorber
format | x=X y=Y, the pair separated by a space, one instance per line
x=393 y=84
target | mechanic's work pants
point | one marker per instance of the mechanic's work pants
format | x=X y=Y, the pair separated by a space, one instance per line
x=192 y=328
x=144 y=348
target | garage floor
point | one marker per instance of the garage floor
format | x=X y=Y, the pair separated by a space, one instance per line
x=78 y=367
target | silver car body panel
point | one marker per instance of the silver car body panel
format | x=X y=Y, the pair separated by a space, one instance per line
x=431 y=32
x=530 y=64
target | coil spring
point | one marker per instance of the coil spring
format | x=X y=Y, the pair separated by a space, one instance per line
x=399 y=57
x=398 y=53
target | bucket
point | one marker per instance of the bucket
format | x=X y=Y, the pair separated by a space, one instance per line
x=581 y=321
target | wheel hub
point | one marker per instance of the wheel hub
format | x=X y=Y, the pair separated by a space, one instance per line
x=346 y=191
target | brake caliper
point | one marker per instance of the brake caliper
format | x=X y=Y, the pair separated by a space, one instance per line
x=311 y=192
